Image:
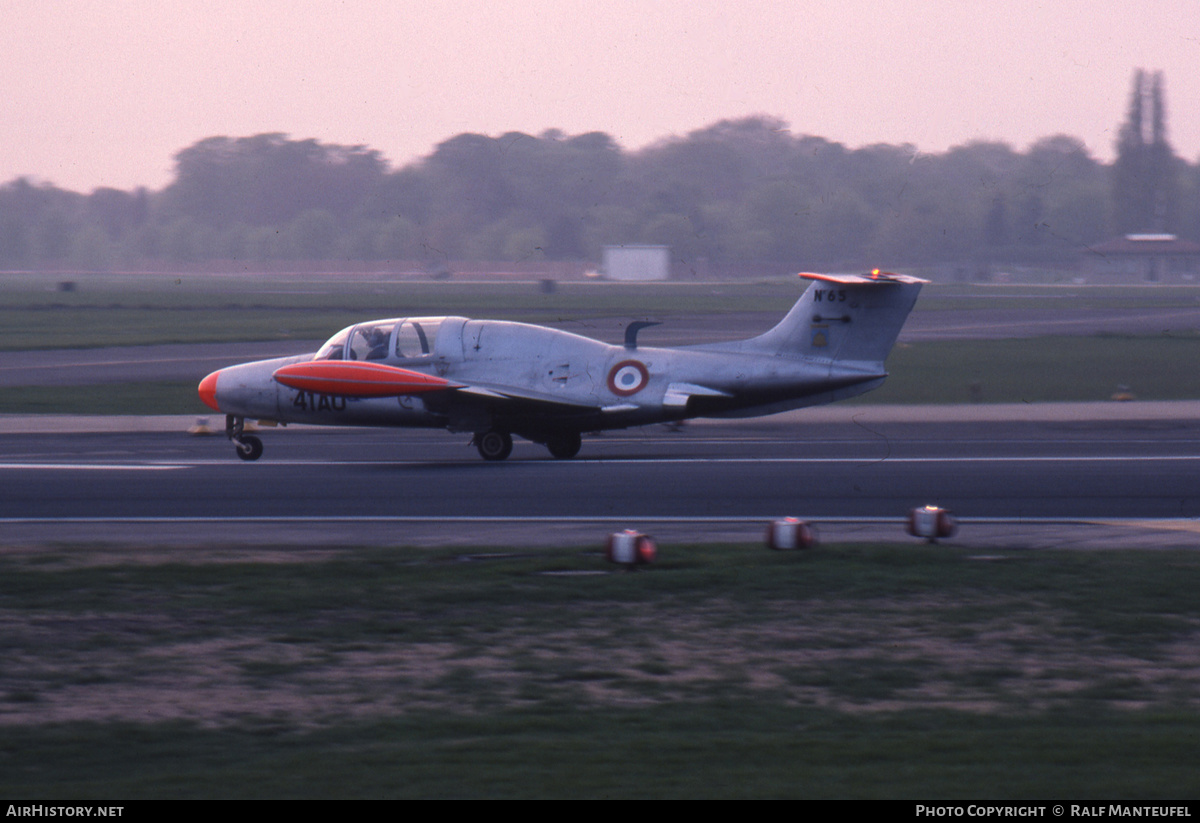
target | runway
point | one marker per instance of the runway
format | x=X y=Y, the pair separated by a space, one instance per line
x=856 y=470
x=846 y=469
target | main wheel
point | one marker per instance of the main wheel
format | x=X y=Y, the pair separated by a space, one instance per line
x=250 y=447
x=564 y=446
x=494 y=445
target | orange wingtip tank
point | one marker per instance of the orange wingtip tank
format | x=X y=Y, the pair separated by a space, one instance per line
x=349 y=379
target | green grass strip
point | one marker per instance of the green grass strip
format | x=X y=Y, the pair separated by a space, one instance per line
x=722 y=671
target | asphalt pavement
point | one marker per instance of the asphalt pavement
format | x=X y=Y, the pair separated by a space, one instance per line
x=980 y=413
x=1096 y=476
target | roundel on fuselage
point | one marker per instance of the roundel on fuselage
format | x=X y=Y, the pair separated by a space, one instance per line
x=627 y=378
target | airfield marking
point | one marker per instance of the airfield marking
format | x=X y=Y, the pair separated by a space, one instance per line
x=574 y=519
x=94 y=466
x=598 y=461
x=643 y=461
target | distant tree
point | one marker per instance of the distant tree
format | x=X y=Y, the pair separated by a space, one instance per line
x=1071 y=189
x=91 y=249
x=1162 y=165
x=14 y=241
x=117 y=212
x=52 y=235
x=1131 y=207
x=609 y=224
x=1145 y=175
x=37 y=223
x=269 y=180
x=395 y=239
x=1189 y=210
x=313 y=235
x=185 y=240
x=738 y=191
x=467 y=177
x=995 y=229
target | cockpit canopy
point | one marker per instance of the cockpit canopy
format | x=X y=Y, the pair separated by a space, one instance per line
x=395 y=339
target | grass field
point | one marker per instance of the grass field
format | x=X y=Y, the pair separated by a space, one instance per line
x=1042 y=369
x=111 y=310
x=722 y=671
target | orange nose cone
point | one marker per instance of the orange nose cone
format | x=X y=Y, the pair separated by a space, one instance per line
x=208 y=391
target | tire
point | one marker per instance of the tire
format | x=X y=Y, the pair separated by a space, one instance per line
x=251 y=448
x=564 y=446
x=494 y=445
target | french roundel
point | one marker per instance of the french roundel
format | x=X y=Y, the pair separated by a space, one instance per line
x=627 y=378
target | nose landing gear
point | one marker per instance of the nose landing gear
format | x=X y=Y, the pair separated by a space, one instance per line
x=248 y=446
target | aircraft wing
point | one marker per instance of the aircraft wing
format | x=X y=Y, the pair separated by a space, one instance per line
x=513 y=394
x=676 y=396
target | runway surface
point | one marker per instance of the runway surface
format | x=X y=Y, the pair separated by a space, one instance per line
x=866 y=468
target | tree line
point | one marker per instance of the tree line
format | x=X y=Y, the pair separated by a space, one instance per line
x=745 y=191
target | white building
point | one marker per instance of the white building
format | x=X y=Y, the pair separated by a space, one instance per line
x=636 y=262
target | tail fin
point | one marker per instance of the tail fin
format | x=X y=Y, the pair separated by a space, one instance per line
x=843 y=317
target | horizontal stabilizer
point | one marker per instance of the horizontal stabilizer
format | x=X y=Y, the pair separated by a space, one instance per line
x=346 y=378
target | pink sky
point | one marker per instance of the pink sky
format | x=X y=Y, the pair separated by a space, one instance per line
x=104 y=93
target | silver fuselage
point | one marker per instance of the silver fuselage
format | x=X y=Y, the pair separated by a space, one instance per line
x=548 y=379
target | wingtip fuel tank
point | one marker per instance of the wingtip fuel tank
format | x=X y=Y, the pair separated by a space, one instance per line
x=349 y=379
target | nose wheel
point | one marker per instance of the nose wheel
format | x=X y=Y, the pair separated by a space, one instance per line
x=247 y=446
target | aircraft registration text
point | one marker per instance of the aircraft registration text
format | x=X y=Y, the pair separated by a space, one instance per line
x=311 y=401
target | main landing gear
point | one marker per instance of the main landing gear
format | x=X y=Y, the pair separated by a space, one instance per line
x=248 y=446
x=493 y=444
x=564 y=446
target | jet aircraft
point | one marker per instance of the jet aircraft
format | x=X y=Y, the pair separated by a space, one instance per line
x=496 y=379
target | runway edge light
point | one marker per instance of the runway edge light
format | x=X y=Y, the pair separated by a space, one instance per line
x=790 y=533
x=931 y=522
x=630 y=548
x=201 y=427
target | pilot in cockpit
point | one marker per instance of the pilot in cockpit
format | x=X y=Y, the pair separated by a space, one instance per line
x=377 y=343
